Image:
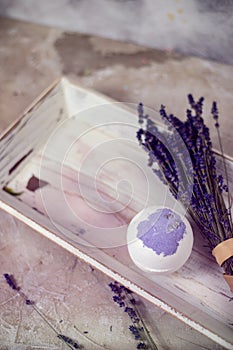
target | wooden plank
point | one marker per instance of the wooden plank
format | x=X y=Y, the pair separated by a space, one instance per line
x=30 y=131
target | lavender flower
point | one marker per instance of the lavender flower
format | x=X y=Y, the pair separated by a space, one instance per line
x=206 y=205
x=69 y=341
x=123 y=297
x=10 y=280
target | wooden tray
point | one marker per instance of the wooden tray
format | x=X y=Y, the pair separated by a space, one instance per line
x=77 y=175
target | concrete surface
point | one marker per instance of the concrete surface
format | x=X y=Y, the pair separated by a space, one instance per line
x=195 y=27
x=69 y=292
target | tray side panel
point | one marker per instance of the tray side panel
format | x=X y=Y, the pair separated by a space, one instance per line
x=30 y=132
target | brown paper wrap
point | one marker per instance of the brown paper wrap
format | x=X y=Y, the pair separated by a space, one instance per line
x=223 y=251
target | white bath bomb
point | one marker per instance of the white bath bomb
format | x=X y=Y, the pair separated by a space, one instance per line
x=159 y=240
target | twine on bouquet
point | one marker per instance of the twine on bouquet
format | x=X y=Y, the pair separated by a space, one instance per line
x=222 y=252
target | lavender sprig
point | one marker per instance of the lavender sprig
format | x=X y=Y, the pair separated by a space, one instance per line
x=10 y=280
x=206 y=204
x=69 y=341
x=125 y=299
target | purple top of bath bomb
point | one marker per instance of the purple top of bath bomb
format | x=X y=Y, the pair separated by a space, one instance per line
x=162 y=231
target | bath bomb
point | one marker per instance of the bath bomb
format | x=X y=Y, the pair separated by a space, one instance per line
x=159 y=240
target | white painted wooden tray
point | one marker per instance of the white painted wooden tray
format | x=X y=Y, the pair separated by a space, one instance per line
x=93 y=179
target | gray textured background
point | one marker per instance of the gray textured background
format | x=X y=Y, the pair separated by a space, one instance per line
x=196 y=27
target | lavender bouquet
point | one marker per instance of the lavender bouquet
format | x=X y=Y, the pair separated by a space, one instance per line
x=193 y=179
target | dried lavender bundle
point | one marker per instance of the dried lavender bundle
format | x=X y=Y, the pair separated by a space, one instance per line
x=192 y=180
